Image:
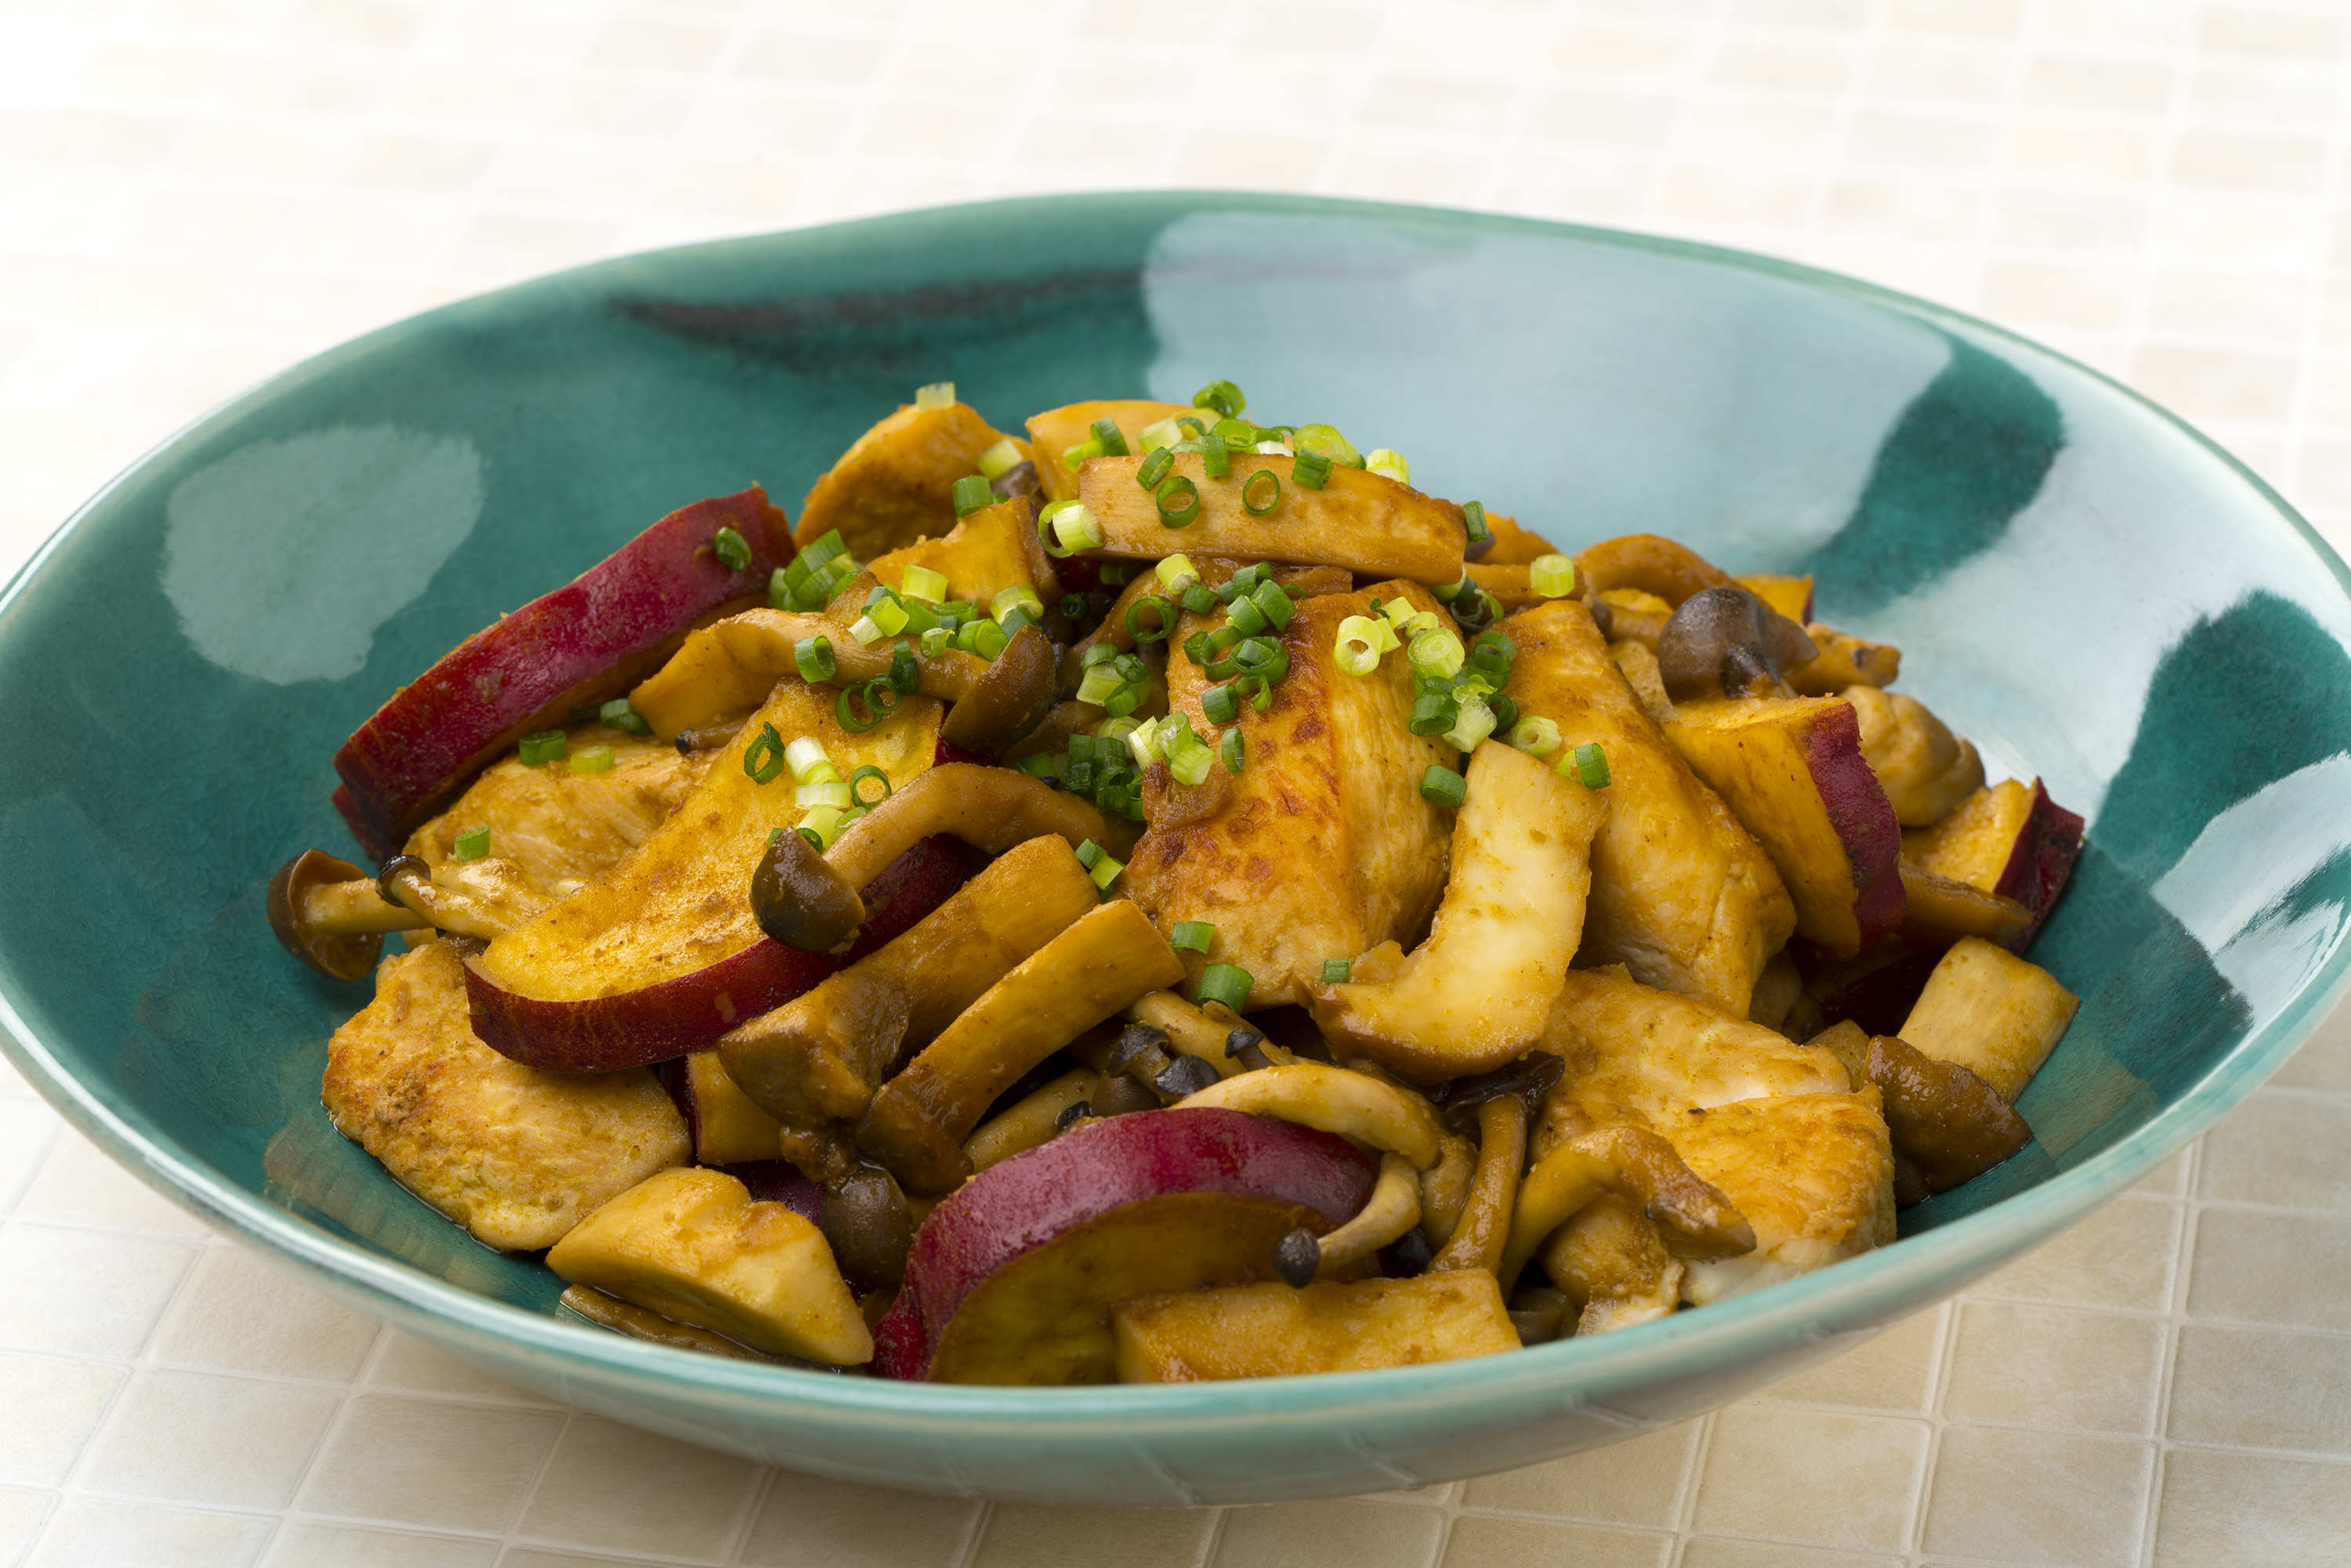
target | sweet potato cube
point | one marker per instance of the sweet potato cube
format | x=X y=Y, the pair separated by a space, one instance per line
x=1792 y=769
x=692 y=1246
x=895 y=483
x=1681 y=894
x=1273 y=1331
x=1994 y=1013
x=1055 y=431
x=1814 y=1174
x=729 y=1129
x=1322 y=847
x=1479 y=992
x=2008 y=838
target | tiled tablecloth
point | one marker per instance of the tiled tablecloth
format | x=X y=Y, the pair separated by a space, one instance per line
x=196 y=193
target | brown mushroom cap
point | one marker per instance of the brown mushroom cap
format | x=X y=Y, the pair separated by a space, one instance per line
x=344 y=958
x=1725 y=641
x=1007 y=701
x=801 y=901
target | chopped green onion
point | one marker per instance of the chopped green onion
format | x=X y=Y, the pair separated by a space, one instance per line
x=1039 y=765
x=1473 y=516
x=812 y=656
x=1100 y=685
x=823 y=825
x=999 y=459
x=1335 y=971
x=1227 y=983
x=1077 y=454
x=1234 y=749
x=1262 y=656
x=1176 y=574
x=1162 y=608
x=1221 y=704
x=1222 y=396
x=937 y=640
x=1357 y=648
x=732 y=550
x=1238 y=434
x=1200 y=599
x=1097 y=653
x=806 y=758
x=1262 y=492
x=1248 y=616
x=970 y=492
x=1179 y=503
x=1277 y=605
x=831 y=546
x=1436 y=654
x=1452 y=591
x=1552 y=576
x=1325 y=443
x=474 y=843
x=546 y=745
x=1155 y=468
x=618 y=714
x=1589 y=763
x=1114 y=440
x=1192 y=936
x=1537 y=737
x=936 y=396
x=905 y=675
x=1311 y=469
x=831 y=792
x=1506 y=714
x=1007 y=599
x=1074 y=607
x=1115 y=573
x=857 y=796
x=1473 y=723
x=1399 y=613
x=985 y=638
x=1443 y=787
x=1074 y=527
x=1187 y=755
x=591 y=759
x=781 y=588
x=1100 y=863
x=844 y=706
x=763 y=759
x=1390 y=463
x=1215 y=457
x=1127 y=698
x=1159 y=436
x=1141 y=739
x=922 y=583
x=1434 y=713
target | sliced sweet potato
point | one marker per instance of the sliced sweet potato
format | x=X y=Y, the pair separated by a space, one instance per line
x=1055 y=431
x=1925 y=770
x=894 y=484
x=1273 y=1331
x=1368 y=523
x=822 y=1055
x=1792 y=769
x=1841 y=660
x=692 y=1247
x=729 y=1128
x=1938 y=911
x=919 y=1119
x=1991 y=1012
x=1812 y=1173
x=1322 y=847
x=2008 y=838
x=1681 y=894
x=1479 y=992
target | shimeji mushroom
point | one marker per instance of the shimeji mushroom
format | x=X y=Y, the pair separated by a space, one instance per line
x=1724 y=642
x=333 y=917
x=1694 y=1218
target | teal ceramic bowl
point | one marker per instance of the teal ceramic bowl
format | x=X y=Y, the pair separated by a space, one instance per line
x=2083 y=584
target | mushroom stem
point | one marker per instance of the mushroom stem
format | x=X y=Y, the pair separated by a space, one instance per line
x=410 y=879
x=1351 y=1105
x=355 y=908
x=1193 y=1032
x=1481 y=1236
x=1393 y=1210
x=1696 y=1219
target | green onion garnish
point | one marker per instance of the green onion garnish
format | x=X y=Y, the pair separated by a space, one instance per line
x=618 y=714
x=546 y=745
x=831 y=792
x=1248 y=616
x=1074 y=527
x=1179 y=503
x=806 y=758
x=1473 y=516
x=1200 y=599
x=1215 y=457
x=1537 y=737
x=1434 y=713
x=999 y=459
x=1234 y=749
x=1262 y=492
x=936 y=396
x=1018 y=596
x=1039 y=765
x=1115 y=573
x=921 y=583
x=906 y=673
x=844 y=706
x=1389 y=462
x=1100 y=864
x=1192 y=936
x=1160 y=607
x=474 y=843
x=1222 y=396
x=763 y=759
x=1187 y=755
x=857 y=795
x=1357 y=648
x=1176 y=574
x=1552 y=576
x=1155 y=468
x=732 y=550
x=1443 y=787
x=1311 y=469
x=1589 y=763
x=1077 y=454
x=591 y=759
x=1335 y=971
x=812 y=656
x=1100 y=685
x=1436 y=654
x=1325 y=442
x=1222 y=704
x=1227 y=983
x=1506 y=714
x=1474 y=723
x=985 y=638
x=1262 y=656
x=971 y=493
x=1159 y=436
x=937 y=640
x=1114 y=440
x=1276 y=604
x=822 y=826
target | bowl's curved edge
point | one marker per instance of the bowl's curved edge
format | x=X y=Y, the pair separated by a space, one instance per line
x=1964 y=1248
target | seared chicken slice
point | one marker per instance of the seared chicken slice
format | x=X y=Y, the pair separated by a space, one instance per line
x=1322 y=847
x=1814 y=1174
x=515 y=1155
x=1680 y=894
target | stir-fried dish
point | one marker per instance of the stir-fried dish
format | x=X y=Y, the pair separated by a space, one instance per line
x=1164 y=899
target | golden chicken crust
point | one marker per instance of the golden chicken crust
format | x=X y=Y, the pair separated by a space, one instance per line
x=1814 y=1174
x=1322 y=846
x=515 y=1155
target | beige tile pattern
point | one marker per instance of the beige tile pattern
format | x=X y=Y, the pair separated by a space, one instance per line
x=196 y=193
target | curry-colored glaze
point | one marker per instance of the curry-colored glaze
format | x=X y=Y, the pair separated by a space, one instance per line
x=1813 y=1174
x=1055 y=431
x=895 y=484
x=1976 y=841
x=1273 y=1331
x=991 y=549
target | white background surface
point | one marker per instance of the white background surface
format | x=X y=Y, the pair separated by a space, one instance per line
x=195 y=193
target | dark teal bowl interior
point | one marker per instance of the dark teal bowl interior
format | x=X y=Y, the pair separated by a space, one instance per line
x=2080 y=583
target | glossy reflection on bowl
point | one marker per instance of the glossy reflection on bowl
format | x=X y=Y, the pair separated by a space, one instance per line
x=2077 y=581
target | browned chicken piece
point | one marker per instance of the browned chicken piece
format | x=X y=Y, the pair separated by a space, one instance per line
x=552 y=830
x=895 y=485
x=1644 y=1057
x=1322 y=847
x=1681 y=894
x=1814 y=1174
x=1055 y=431
x=515 y=1155
x=1612 y=1266
x=993 y=548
